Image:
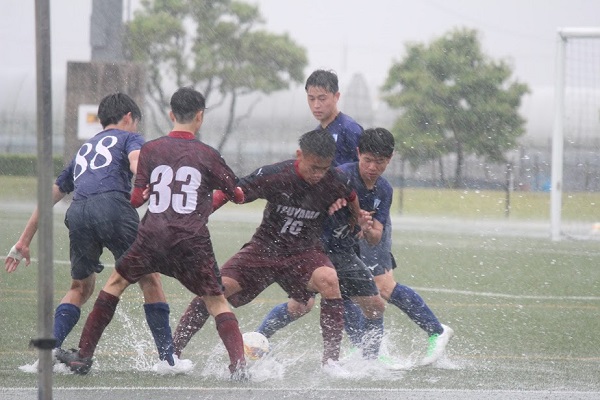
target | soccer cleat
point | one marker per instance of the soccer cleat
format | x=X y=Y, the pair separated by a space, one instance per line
x=241 y=374
x=179 y=367
x=437 y=345
x=79 y=365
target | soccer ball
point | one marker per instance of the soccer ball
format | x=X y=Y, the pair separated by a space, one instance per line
x=256 y=345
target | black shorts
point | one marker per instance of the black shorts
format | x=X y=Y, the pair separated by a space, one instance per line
x=104 y=220
x=355 y=278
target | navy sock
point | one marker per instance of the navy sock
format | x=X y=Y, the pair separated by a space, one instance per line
x=279 y=317
x=65 y=318
x=414 y=306
x=157 y=316
x=353 y=322
x=373 y=334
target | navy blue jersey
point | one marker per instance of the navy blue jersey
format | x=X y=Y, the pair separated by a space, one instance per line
x=296 y=211
x=346 y=133
x=101 y=165
x=338 y=237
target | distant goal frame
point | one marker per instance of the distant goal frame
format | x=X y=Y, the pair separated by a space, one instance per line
x=564 y=35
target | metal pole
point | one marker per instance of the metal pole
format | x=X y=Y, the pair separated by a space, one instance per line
x=557 y=141
x=45 y=341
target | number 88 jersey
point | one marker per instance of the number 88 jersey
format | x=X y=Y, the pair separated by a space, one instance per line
x=101 y=165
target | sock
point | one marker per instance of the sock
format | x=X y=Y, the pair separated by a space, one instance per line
x=373 y=334
x=157 y=316
x=190 y=322
x=229 y=332
x=414 y=306
x=65 y=318
x=97 y=321
x=332 y=327
x=353 y=322
x=279 y=317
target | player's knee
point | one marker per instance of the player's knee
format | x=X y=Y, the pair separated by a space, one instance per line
x=326 y=282
x=297 y=309
x=83 y=288
x=375 y=309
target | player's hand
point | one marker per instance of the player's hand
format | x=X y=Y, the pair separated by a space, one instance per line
x=365 y=221
x=14 y=257
x=337 y=205
x=146 y=193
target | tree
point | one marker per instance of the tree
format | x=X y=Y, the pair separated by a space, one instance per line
x=215 y=46
x=453 y=99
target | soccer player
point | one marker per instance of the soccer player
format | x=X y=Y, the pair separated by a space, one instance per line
x=286 y=248
x=375 y=150
x=322 y=93
x=179 y=174
x=100 y=214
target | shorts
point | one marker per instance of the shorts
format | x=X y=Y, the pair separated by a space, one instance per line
x=378 y=258
x=255 y=269
x=192 y=262
x=355 y=278
x=104 y=220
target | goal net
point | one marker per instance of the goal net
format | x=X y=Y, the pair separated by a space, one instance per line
x=575 y=182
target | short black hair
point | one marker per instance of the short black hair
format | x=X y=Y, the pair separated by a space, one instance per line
x=318 y=142
x=327 y=80
x=378 y=141
x=115 y=106
x=186 y=102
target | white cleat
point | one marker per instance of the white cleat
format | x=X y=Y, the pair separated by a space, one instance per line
x=180 y=367
x=437 y=345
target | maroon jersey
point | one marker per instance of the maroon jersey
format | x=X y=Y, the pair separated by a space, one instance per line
x=295 y=211
x=182 y=173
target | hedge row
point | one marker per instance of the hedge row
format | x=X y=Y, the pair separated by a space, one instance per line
x=25 y=165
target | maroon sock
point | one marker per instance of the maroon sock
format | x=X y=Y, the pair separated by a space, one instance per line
x=332 y=326
x=97 y=321
x=190 y=322
x=229 y=331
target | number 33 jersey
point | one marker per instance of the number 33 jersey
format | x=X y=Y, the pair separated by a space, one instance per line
x=182 y=173
x=296 y=210
x=101 y=165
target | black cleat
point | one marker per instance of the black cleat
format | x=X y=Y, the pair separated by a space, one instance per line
x=77 y=364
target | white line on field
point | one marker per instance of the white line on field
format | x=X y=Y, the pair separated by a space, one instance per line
x=506 y=296
x=455 y=291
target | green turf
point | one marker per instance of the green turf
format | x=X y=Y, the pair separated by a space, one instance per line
x=525 y=312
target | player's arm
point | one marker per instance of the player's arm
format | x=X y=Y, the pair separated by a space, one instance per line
x=21 y=249
x=133 y=156
x=220 y=198
x=140 y=193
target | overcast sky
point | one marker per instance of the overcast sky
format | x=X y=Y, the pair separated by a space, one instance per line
x=345 y=35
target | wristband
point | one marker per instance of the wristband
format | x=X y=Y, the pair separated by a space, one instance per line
x=14 y=253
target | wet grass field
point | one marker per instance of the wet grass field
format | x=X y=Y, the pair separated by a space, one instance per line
x=525 y=312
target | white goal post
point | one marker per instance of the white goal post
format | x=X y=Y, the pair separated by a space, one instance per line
x=565 y=35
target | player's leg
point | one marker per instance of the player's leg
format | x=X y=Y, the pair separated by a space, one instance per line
x=282 y=315
x=353 y=322
x=193 y=319
x=413 y=305
x=196 y=313
x=157 y=316
x=67 y=313
x=229 y=331
x=80 y=361
x=324 y=281
x=372 y=309
x=85 y=251
x=409 y=302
